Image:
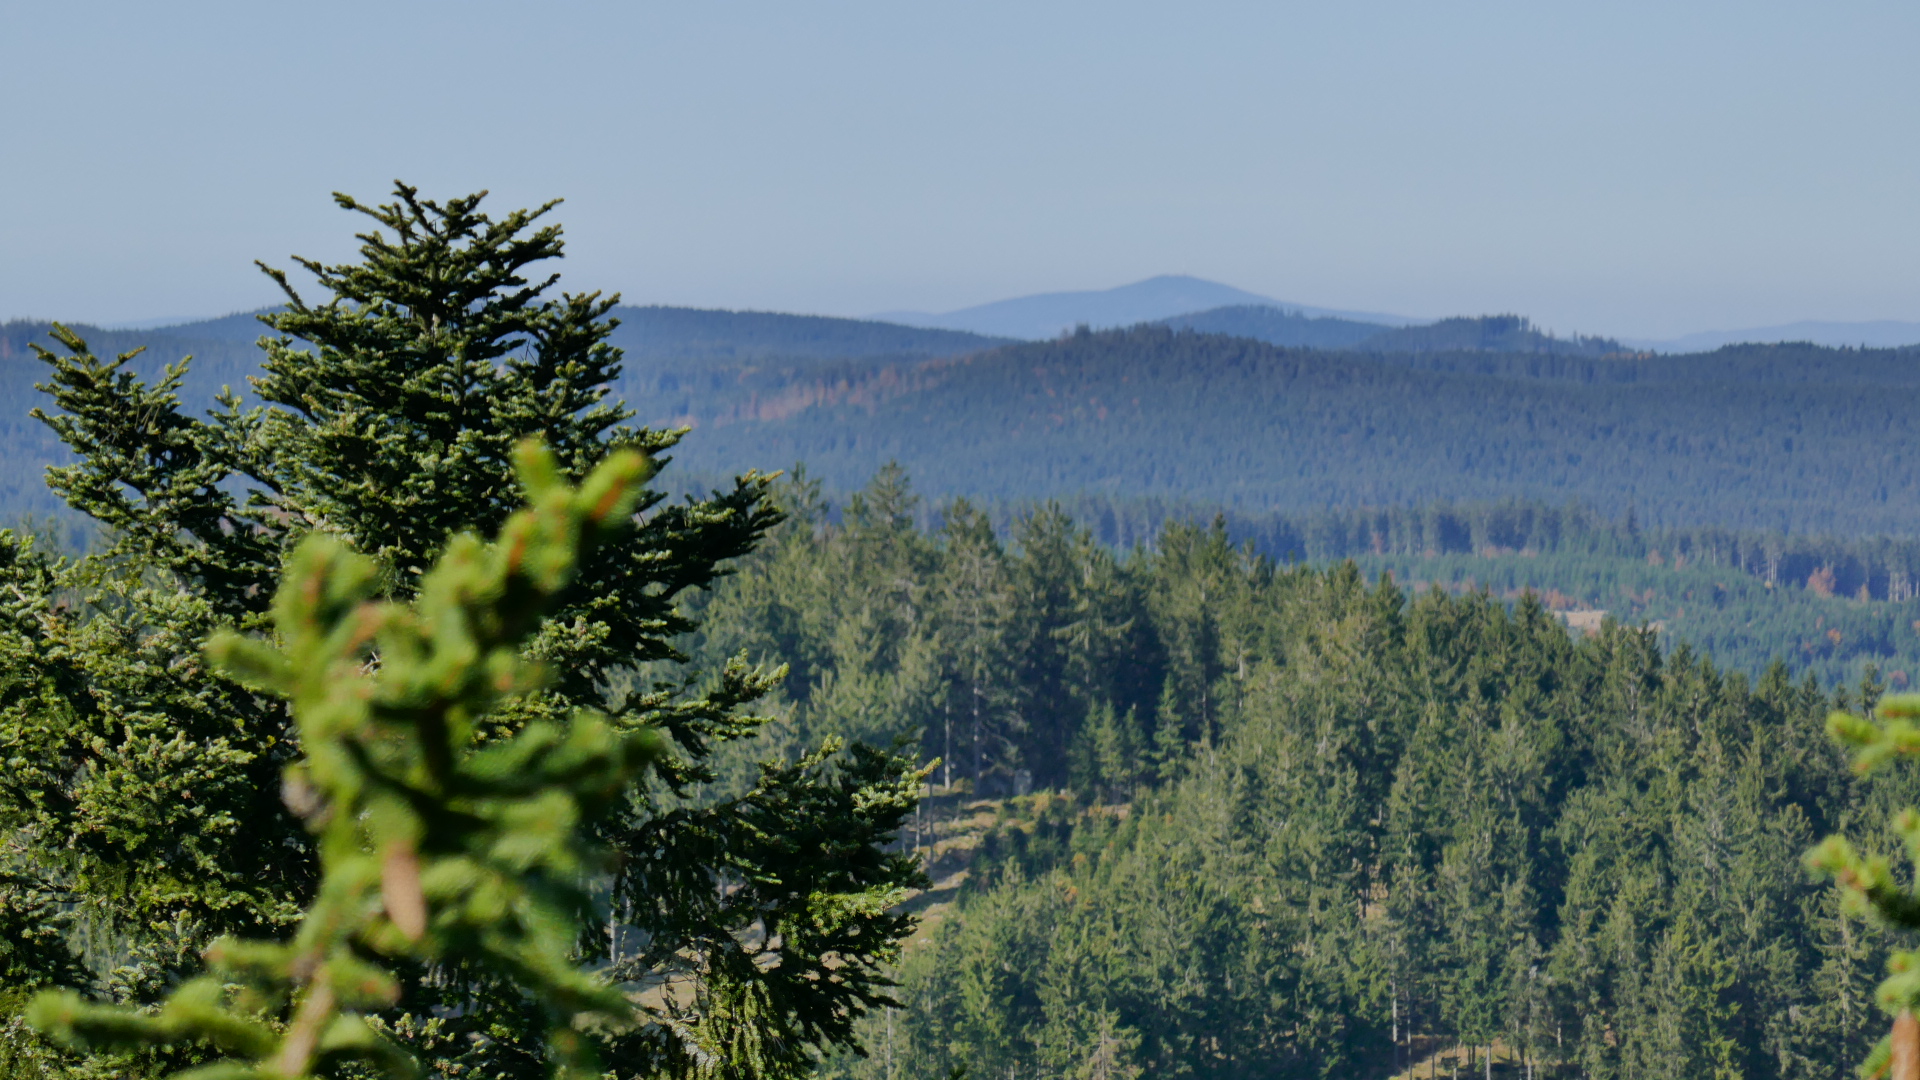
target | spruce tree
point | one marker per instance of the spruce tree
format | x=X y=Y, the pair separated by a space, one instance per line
x=144 y=788
x=974 y=600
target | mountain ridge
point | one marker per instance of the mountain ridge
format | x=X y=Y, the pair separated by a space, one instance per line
x=1777 y=437
x=1872 y=334
x=1044 y=315
x=1169 y=299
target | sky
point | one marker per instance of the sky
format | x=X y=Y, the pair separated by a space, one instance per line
x=1636 y=169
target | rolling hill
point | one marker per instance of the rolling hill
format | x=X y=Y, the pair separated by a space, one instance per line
x=1276 y=326
x=1508 y=334
x=1800 y=438
x=1779 y=437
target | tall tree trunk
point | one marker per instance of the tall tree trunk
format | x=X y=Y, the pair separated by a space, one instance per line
x=1394 y=993
x=976 y=738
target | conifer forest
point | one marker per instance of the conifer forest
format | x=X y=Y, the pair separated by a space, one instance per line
x=449 y=675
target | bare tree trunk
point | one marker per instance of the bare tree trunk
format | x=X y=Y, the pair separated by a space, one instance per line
x=976 y=738
x=1394 y=992
x=1905 y=1062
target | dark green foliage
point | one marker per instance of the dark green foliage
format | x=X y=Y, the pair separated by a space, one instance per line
x=1870 y=887
x=145 y=789
x=1305 y=825
x=471 y=860
x=1824 y=605
x=988 y=656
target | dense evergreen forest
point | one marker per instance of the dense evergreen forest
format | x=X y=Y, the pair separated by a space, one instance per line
x=1828 y=606
x=1794 y=438
x=1293 y=822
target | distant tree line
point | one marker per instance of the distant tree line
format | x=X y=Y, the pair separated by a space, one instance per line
x=1886 y=566
x=1508 y=334
x=1746 y=598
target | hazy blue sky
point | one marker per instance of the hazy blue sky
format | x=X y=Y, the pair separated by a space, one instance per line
x=1630 y=168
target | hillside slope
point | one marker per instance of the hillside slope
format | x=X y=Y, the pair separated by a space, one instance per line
x=1744 y=438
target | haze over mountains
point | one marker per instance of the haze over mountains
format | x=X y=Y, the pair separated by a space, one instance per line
x=1047 y=314
x=1172 y=299
x=1241 y=403
x=1172 y=296
x=1247 y=406
x=1878 y=334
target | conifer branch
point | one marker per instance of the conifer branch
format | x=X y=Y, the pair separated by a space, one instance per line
x=1871 y=889
x=433 y=850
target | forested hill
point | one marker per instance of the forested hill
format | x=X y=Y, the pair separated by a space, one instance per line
x=1797 y=438
x=1505 y=334
x=1488 y=333
x=1276 y=326
x=1793 y=437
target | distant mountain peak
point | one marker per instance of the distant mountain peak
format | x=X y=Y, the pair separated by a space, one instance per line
x=1045 y=315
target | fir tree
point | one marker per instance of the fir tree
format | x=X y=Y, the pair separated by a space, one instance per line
x=146 y=788
x=975 y=599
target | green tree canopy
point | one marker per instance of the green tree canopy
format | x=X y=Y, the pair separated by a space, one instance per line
x=144 y=788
